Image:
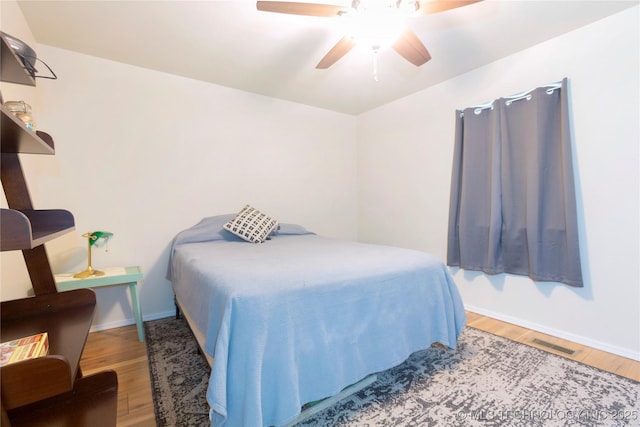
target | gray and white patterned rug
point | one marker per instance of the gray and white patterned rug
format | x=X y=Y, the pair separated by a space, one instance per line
x=486 y=381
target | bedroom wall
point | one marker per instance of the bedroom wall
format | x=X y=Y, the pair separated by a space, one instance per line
x=145 y=154
x=404 y=160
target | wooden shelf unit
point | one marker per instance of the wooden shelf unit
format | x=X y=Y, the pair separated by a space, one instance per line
x=29 y=228
x=23 y=227
x=66 y=317
x=11 y=68
x=50 y=390
x=17 y=138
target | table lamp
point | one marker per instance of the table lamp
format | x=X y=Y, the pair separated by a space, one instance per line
x=97 y=239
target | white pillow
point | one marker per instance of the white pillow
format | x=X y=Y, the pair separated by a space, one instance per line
x=251 y=225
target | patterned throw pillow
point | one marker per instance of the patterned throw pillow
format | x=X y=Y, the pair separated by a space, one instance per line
x=251 y=225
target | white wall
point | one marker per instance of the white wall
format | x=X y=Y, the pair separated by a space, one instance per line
x=145 y=154
x=405 y=155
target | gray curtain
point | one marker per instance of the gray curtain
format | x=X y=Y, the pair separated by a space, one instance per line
x=513 y=205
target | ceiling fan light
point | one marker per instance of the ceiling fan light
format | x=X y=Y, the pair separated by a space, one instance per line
x=408 y=7
x=379 y=26
x=404 y=7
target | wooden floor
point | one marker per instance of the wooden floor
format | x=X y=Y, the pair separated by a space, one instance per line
x=120 y=350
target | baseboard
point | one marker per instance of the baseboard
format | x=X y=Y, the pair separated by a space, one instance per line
x=629 y=354
x=131 y=321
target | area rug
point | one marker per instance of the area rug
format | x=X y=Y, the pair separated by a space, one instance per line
x=179 y=374
x=486 y=381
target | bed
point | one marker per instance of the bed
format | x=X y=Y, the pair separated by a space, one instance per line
x=300 y=317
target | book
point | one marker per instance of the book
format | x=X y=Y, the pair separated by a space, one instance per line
x=24 y=348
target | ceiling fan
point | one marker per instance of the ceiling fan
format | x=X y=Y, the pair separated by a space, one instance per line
x=377 y=21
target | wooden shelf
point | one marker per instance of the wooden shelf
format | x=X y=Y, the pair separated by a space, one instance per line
x=66 y=317
x=93 y=402
x=26 y=229
x=17 y=138
x=11 y=68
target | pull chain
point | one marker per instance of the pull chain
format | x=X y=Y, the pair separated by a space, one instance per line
x=376 y=48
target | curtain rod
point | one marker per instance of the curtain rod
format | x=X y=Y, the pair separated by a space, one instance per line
x=477 y=109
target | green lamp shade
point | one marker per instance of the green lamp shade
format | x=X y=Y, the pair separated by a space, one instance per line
x=99 y=238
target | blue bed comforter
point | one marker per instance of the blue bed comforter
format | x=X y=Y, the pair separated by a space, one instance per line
x=300 y=317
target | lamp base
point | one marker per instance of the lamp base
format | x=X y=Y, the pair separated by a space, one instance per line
x=89 y=272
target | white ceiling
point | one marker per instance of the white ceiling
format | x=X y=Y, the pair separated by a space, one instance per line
x=230 y=43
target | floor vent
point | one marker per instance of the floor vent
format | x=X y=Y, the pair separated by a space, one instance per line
x=553 y=346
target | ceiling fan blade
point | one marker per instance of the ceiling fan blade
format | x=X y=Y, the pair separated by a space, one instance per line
x=411 y=48
x=339 y=50
x=434 y=6
x=294 y=8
